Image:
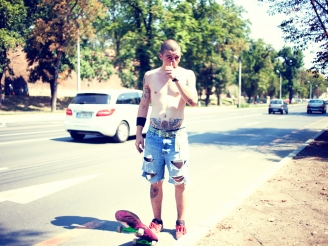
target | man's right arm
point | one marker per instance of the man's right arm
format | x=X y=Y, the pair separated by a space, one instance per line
x=142 y=113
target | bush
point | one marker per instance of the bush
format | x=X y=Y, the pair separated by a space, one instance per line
x=243 y=105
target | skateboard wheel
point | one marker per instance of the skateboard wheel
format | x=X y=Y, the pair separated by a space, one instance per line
x=140 y=232
x=119 y=229
x=153 y=243
x=135 y=241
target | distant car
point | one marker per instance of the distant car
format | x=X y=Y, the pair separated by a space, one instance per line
x=278 y=105
x=316 y=105
x=111 y=113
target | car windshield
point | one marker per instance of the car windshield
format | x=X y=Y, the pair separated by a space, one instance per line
x=276 y=102
x=316 y=101
x=91 y=98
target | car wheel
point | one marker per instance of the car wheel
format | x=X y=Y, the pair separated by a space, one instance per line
x=281 y=112
x=77 y=136
x=270 y=111
x=122 y=132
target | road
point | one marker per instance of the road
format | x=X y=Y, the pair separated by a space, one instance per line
x=56 y=191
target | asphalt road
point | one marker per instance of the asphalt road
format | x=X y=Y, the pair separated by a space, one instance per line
x=56 y=191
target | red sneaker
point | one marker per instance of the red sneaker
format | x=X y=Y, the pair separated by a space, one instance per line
x=180 y=229
x=156 y=226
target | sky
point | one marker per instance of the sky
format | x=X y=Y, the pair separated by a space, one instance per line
x=266 y=27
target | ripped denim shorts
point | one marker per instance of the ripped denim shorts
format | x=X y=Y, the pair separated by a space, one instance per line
x=171 y=151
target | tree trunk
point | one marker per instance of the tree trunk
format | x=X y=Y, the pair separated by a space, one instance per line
x=53 y=83
x=218 y=95
x=2 y=87
x=290 y=95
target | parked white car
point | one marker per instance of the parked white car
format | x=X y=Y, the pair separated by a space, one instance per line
x=111 y=113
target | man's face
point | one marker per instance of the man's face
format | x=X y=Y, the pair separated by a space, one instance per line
x=170 y=56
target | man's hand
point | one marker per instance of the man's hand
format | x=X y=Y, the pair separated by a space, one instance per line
x=140 y=143
x=170 y=70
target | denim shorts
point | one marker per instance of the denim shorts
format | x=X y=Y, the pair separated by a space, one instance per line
x=171 y=152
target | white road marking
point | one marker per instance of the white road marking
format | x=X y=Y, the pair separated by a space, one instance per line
x=3 y=168
x=33 y=140
x=29 y=133
x=34 y=192
x=252 y=123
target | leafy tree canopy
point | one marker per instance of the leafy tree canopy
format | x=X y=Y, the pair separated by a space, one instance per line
x=307 y=23
x=12 y=17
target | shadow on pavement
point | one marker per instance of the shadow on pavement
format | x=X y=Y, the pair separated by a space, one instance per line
x=273 y=141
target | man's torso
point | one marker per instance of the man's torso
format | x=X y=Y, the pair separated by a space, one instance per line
x=167 y=103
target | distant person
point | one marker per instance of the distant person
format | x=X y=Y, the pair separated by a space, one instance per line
x=168 y=89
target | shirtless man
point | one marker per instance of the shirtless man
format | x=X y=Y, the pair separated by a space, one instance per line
x=168 y=88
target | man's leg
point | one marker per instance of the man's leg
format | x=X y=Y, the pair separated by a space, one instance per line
x=180 y=198
x=156 y=197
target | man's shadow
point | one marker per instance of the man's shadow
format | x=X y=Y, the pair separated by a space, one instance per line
x=91 y=223
x=78 y=222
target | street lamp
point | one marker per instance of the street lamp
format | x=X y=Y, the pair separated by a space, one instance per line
x=239 y=80
x=280 y=83
x=310 y=89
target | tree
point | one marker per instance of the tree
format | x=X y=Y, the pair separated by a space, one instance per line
x=292 y=62
x=211 y=38
x=307 y=23
x=258 y=69
x=54 y=36
x=12 y=17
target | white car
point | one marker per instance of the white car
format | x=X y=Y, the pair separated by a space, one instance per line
x=111 y=113
x=278 y=105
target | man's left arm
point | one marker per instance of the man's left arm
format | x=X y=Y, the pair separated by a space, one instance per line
x=188 y=90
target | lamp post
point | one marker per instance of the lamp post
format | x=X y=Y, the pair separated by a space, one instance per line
x=239 y=80
x=280 y=83
x=310 y=89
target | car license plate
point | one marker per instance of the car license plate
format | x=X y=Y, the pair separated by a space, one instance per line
x=83 y=115
x=275 y=109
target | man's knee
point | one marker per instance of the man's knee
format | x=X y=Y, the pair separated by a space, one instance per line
x=178 y=164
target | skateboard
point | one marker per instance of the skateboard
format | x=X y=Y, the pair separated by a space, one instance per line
x=132 y=224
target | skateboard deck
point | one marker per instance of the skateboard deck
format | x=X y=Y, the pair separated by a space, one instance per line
x=132 y=224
